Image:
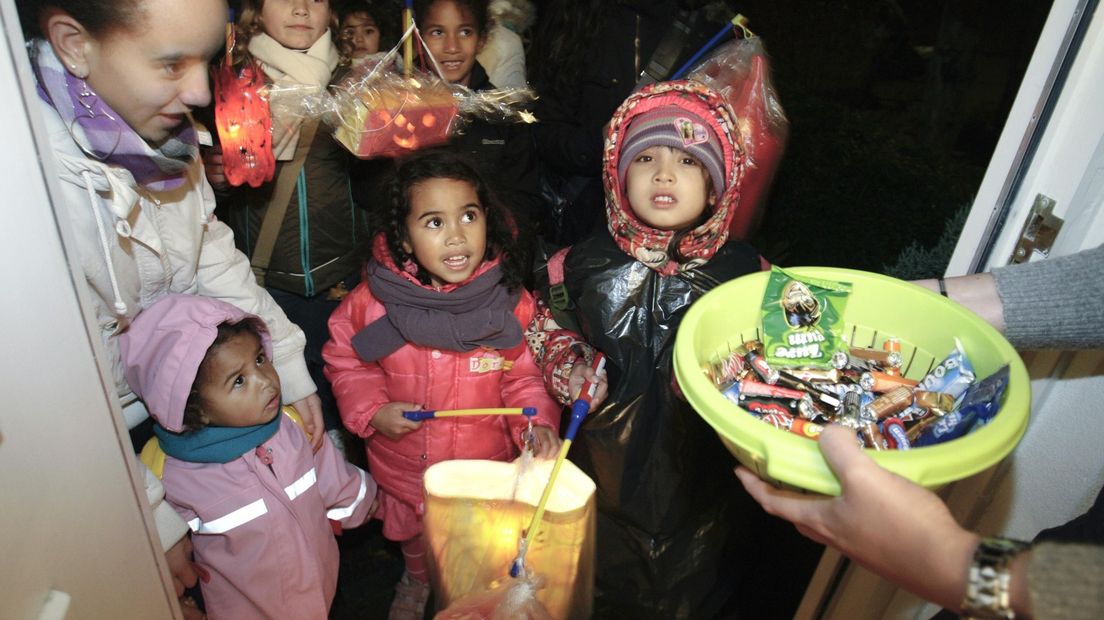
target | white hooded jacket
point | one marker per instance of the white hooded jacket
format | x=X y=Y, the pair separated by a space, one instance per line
x=135 y=246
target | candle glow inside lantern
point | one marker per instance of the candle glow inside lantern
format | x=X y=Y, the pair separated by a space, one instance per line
x=476 y=512
x=244 y=125
x=391 y=116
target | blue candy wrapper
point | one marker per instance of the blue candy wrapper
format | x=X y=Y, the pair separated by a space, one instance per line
x=978 y=405
x=952 y=376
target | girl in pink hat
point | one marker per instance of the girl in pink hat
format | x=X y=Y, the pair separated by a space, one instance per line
x=262 y=506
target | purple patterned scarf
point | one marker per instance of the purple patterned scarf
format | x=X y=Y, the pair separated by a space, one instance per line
x=104 y=135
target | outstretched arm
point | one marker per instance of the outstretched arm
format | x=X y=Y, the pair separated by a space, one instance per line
x=978 y=292
x=887 y=524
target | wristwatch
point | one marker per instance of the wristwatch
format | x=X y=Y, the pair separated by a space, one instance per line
x=987 y=596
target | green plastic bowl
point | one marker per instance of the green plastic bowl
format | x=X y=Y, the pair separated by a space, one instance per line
x=879 y=307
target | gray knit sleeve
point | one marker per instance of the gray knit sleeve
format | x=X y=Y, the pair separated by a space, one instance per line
x=1056 y=303
x=1066 y=581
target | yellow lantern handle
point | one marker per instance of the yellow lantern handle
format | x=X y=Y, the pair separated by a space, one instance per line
x=418 y=416
x=518 y=566
x=579 y=409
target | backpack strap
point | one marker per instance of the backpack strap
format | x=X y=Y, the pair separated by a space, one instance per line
x=669 y=50
x=290 y=412
x=153 y=456
x=278 y=203
x=558 y=299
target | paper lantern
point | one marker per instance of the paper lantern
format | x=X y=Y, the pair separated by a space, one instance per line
x=244 y=125
x=391 y=116
x=475 y=514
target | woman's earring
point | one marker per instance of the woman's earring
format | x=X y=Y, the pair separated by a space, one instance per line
x=88 y=101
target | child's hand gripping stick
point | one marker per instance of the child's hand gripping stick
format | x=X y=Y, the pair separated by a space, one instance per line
x=581 y=406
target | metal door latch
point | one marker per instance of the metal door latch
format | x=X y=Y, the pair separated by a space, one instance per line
x=1039 y=231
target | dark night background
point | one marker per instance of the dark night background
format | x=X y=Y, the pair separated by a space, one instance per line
x=894 y=109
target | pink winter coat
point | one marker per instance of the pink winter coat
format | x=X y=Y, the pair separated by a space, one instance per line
x=262 y=530
x=260 y=523
x=437 y=379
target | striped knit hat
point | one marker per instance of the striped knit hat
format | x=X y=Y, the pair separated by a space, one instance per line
x=677 y=128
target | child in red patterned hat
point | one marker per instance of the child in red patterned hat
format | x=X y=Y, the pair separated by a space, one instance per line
x=668 y=509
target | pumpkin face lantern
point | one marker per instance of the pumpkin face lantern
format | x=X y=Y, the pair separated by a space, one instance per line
x=391 y=116
x=244 y=125
x=476 y=512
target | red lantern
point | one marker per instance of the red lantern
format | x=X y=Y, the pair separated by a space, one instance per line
x=244 y=125
x=740 y=71
x=764 y=139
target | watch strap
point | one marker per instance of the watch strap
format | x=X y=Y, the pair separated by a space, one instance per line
x=987 y=592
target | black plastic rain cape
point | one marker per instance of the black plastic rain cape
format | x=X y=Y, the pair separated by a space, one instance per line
x=678 y=537
x=665 y=482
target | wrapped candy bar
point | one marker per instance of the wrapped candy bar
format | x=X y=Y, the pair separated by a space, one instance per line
x=801 y=320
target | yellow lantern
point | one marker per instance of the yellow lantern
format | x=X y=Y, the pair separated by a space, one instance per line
x=476 y=512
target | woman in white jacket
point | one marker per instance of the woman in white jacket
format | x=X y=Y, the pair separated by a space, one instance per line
x=116 y=81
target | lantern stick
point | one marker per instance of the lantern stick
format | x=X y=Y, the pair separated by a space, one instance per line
x=418 y=416
x=739 y=21
x=579 y=410
x=229 y=39
x=408 y=44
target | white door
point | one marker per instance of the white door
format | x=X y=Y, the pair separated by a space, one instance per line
x=1052 y=146
x=75 y=541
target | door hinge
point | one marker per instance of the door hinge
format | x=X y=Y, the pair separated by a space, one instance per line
x=1039 y=231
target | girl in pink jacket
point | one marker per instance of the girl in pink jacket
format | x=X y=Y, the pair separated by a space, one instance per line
x=437 y=324
x=262 y=506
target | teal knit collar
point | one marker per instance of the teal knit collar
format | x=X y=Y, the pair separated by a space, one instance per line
x=215 y=444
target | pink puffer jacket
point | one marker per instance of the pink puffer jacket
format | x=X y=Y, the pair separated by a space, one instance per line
x=436 y=379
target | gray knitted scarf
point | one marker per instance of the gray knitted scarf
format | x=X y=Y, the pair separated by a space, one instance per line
x=479 y=313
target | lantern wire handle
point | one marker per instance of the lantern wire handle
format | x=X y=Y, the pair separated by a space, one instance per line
x=408 y=44
x=579 y=410
x=230 y=39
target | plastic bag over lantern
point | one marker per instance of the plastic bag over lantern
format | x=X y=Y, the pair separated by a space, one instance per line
x=389 y=114
x=387 y=109
x=244 y=122
x=740 y=71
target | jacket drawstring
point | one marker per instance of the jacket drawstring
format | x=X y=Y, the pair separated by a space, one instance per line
x=120 y=305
